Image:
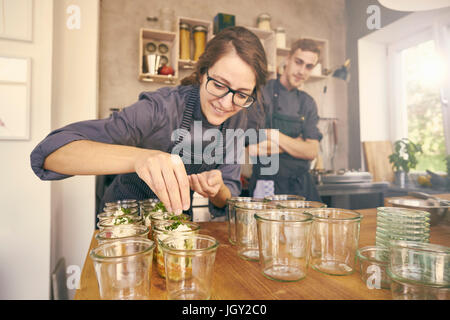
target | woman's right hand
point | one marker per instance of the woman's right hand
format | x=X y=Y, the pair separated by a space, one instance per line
x=166 y=175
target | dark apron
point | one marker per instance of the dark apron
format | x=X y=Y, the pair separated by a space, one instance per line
x=293 y=176
x=130 y=186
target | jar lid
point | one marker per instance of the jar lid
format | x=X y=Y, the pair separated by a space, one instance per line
x=200 y=28
x=151 y=47
x=184 y=25
x=163 y=48
x=280 y=30
x=264 y=16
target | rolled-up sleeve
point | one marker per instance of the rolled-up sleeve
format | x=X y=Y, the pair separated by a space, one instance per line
x=311 y=130
x=52 y=142
x=127 y=127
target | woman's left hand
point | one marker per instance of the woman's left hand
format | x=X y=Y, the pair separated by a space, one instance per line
x=207 y=183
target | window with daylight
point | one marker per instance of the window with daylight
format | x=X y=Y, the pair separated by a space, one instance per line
x=423 y=72
x=419 y=67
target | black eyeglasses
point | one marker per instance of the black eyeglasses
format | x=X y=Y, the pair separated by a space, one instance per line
x=219 y=89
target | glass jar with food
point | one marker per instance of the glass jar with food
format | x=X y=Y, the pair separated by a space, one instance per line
x=199 y=40
x=172 y=229
x=125 y=206
x=280 y=36
x=122 y=232
x=185 y=41
x=116 y=212
x=125 y=203
x=146 y=207
x=119 y=220
x=189 y=268
x=159 y=214
x=263 y=21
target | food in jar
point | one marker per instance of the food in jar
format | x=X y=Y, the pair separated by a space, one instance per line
x=149 y=208
x=180 y=267
x=120 y=220
x=116 y=213
x=185 y=41
x=125 y=230
x=199 y=40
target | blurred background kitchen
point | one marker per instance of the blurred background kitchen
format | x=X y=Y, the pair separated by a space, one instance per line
x=83 y=59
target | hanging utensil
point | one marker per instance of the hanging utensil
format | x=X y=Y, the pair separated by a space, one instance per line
x=335 y=138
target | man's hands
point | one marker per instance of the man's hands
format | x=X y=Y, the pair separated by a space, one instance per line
x=166 y=175
x=268 y=146
x=278 y=142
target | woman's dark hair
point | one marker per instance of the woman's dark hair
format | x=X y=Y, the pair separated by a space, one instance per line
x=247 y=47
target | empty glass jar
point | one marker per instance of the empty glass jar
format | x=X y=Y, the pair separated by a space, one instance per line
x=334 y=240
x=231 y=215
x=283 y=239
x=419 y=271
x=123 y=268
x=246 y=230
x=281 y=198
x=373 y=263
x=302 y=204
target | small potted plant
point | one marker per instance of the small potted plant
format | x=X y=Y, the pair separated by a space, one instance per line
x=403 y=159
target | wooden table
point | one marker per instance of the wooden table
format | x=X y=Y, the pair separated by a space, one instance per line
x=238 y=279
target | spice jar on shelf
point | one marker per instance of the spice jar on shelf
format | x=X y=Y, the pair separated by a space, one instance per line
x=263 y=22
x=185 y=41
x=199 y=40
x=280 y=36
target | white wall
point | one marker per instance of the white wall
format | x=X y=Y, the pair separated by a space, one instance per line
x=25 y=200
x=75 y=87
x=43 y=221
x=373 y=100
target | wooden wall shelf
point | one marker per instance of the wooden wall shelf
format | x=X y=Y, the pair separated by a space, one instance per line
x=158 y=38
x=275 y=56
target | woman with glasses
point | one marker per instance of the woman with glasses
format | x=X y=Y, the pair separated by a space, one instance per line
x=137 y=143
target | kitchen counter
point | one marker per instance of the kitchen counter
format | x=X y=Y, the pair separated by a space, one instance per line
x=332 y=189
x=353 y=195
x=396 y=191
x=238 y=279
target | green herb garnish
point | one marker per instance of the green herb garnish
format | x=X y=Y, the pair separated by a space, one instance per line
x=173 y=226
x=125 y=210
x=176 y=217
x=159 y=207
x=122 y=220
